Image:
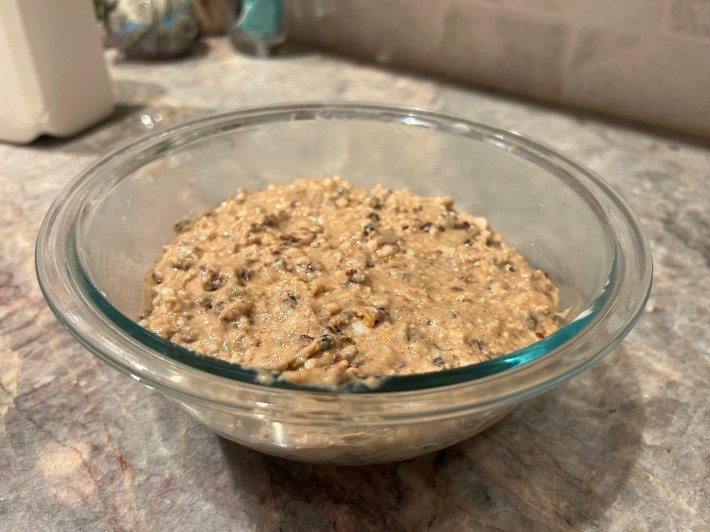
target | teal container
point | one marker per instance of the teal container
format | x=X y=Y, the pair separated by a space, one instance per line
x=259 y=28
x=261 y=19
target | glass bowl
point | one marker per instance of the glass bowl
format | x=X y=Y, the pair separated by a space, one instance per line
x=106 y=229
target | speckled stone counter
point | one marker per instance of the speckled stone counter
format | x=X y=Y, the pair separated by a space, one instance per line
x=624 y=446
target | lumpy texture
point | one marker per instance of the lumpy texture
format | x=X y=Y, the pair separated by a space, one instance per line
x=326 y=283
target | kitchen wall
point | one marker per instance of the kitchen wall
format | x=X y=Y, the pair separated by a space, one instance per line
x=643 y=59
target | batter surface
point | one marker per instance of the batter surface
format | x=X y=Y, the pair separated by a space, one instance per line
x=327 y=282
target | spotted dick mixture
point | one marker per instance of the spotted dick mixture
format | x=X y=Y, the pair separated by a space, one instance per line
x=327 y=283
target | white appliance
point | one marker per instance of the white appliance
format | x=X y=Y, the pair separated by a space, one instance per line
x=53 y=77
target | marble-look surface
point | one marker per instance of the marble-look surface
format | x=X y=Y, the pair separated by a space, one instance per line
x=624 y=446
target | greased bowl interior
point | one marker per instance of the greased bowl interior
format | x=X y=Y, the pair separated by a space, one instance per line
x=105 y=230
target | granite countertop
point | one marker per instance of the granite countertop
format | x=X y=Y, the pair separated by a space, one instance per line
x=624 y=446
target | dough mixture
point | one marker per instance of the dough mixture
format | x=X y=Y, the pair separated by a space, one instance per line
x=327 y=283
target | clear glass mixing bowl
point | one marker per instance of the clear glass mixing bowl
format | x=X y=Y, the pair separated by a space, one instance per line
x=105 y=230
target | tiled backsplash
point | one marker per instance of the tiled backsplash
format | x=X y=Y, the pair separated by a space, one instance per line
x=644 y=59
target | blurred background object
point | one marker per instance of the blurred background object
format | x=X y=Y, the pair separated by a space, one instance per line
x=54 y=77
x=259 y=28
x=648 y=60
x=151 y=29
x=213 y=15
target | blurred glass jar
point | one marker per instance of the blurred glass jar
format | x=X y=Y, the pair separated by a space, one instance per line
x=259 y=27
x=150 y=29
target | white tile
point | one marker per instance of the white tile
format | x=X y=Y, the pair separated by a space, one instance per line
x=662 y=79
x=507 y=50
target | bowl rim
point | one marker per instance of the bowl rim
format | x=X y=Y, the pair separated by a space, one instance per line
x=69 y=296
